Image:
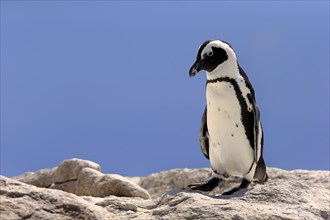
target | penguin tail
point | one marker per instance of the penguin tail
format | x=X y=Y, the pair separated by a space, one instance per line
x=261 y=175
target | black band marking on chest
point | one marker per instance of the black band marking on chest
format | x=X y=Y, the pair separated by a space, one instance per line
x=247 y=117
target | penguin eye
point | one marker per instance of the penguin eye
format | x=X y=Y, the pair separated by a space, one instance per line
x=209 y=54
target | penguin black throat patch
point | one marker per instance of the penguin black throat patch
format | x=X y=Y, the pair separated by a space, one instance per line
x=247 y=117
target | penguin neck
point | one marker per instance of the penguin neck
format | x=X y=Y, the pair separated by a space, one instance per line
x=226 y=69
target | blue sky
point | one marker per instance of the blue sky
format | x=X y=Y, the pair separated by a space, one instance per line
x=108 y=81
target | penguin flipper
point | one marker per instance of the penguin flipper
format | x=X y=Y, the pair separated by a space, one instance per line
x=257 y=130
x=205 y=186
x=204 y=136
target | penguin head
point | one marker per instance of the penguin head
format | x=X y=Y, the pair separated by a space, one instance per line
x=212 y=55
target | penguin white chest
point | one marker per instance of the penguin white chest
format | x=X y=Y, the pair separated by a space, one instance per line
x=229 y=150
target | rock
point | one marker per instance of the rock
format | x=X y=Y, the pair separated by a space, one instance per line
x=158 y=183
x=297 y=194
x=93 y=183
x=41 y=178
x=69 y=170
x=22 y=201
x=69 y=186
x=83 y=178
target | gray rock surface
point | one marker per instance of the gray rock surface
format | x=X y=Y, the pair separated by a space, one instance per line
x=297 y=194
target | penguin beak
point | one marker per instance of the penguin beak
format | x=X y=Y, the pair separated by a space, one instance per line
x=196 y=67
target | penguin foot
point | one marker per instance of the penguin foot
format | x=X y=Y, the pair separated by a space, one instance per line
x=245 y=183
x=205 y=186
x=231 y=192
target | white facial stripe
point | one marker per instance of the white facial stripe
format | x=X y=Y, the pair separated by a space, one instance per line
x=215 y=43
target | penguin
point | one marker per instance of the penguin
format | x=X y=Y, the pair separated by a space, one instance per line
x=231 y=134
